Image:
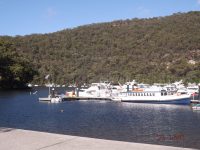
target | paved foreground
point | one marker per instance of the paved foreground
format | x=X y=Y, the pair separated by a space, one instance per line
x=17 y=139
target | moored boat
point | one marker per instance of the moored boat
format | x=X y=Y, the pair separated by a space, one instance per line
x=196 y=107
x=152 y=96
x=96 y=90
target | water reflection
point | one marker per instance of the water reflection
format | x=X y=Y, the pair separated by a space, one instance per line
x=144 y=123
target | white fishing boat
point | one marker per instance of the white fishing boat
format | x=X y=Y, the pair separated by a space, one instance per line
x=96 y=90
x=152 y=95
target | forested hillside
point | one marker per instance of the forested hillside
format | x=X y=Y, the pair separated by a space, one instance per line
x=15 y=70
x=161 y=49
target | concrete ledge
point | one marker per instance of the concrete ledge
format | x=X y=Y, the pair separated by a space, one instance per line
x=17 y=139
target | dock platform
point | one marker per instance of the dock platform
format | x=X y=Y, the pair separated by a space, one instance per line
x=195 y=101
x=17 y=139
x=66 y=98
x=85 y=98
x=75 y=98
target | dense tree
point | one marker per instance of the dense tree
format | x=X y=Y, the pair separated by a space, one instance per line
x=15 y=71
x=150 y=50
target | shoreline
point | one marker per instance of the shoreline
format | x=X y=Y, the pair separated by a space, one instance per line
x=33 y=140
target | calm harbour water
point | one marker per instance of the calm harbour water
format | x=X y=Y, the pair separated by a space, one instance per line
x=174 y=125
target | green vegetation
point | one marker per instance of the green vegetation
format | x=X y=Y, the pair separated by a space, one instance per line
x=15 y=71
x=162 y=49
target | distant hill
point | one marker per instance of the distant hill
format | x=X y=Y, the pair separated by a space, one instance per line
x=161 y=49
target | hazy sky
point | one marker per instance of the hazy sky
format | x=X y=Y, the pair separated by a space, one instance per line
x=20 y=17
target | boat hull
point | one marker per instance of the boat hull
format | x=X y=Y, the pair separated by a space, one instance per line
x=180 y=101
x=184 y=100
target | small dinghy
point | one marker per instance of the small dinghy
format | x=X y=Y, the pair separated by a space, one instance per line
x=196 y=107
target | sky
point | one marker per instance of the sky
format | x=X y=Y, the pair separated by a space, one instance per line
x=23 y=17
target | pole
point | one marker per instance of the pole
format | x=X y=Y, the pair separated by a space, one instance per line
x=49 y=88
x=47 y=78
x=199 y=92
x=127 y=87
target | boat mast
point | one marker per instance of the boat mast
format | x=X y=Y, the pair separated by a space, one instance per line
x=47 y=78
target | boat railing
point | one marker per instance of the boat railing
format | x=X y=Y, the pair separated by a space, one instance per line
x=145 y=93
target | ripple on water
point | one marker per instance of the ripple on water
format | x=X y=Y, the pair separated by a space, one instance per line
x=144 y=123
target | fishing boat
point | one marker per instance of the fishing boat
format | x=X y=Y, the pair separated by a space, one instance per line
x=96 y=90
x=152 y=95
